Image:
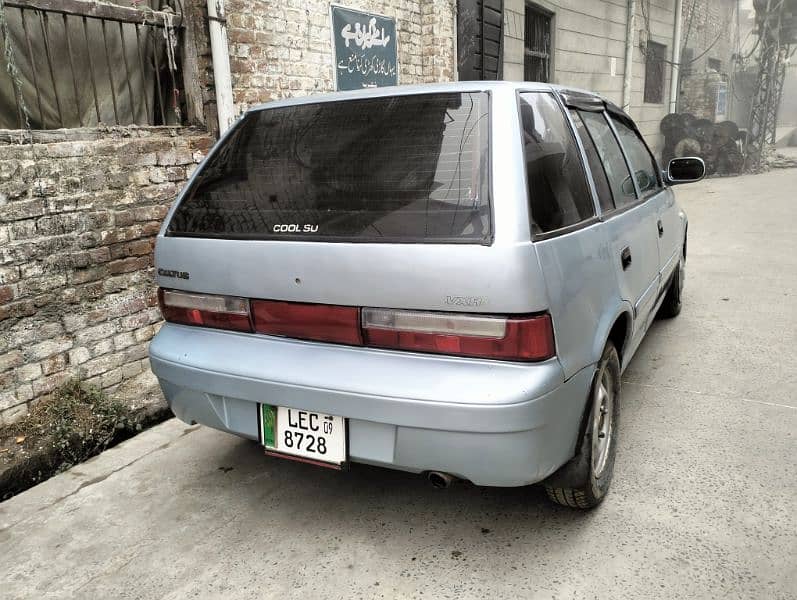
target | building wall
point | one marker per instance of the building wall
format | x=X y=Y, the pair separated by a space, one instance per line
x=707 y=34
x=283 y=48
x=78 y=216
x=589 y=50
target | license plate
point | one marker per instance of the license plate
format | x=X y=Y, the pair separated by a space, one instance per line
x=307 y=435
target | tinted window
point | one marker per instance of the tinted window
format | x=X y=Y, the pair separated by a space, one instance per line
x=594 y=161
x=646 y=172
x=612 y=157
x=557 y=185
x=407 y=168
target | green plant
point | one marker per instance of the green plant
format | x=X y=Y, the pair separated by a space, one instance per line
x=78 y=420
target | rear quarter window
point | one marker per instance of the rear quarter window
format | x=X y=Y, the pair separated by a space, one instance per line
x=557 y=184
x=408 y=168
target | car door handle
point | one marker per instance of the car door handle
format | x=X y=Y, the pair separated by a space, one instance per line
x=625 y=258
x=661 y=228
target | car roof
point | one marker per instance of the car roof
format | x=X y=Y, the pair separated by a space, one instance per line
x=445 y=87
x=425 y=88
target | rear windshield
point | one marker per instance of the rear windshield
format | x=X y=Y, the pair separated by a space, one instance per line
x=398 y=169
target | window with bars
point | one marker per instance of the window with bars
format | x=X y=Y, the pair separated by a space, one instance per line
x=655 y=59
x=537 y=42
x=84 y=63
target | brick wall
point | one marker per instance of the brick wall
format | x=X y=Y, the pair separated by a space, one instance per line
x=77 y=224
x=283 y=48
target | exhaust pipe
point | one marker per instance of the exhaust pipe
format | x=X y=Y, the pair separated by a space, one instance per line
x=440 y=480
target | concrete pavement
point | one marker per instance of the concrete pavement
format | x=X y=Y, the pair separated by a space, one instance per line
x=703 y=504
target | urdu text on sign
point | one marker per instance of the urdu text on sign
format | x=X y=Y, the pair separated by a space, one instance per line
x=365 y=49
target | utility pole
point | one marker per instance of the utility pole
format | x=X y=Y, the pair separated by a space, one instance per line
x=777 y=30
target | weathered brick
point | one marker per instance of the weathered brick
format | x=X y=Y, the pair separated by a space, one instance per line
x=28 y=372
x=118 y=180
x=54 y=364
x=47 y=348
x=111 y=377
x=151 y=228
x=157 y=175
x=99 y=255
x=7 y=293
x=86 y=275
x=23 y=308
x=101 y=364
x=8 y=169
x=151 y=213
x=12 y=359
x=176 y=173
x=9 y=275
x=92 y=334
x=144 y=334
x=145 y=317
x=127 y=265
x=13 y=413
x=102 y=347
x=30 y=331
x=7 y=380
x=33 y=269
x=120 y=234
x=39 y=285
x=22 y=209
x=78 y=356
x=73 y=322
x=134 y=248
x=25 y=392
x=131 y=369
x=123 y=340
x=73 y=222
x=20 y=230
x=69 y=149
x=135 y=353
x=8 y=398
x=48 y=384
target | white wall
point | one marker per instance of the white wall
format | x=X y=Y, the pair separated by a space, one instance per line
x=589 y=50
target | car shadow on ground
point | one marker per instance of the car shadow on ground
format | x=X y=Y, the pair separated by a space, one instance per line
x=365 y=501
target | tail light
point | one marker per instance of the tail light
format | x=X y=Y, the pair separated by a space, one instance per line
x=221 y=312
x=527 y=339
x=509 y=338
x=320 y=322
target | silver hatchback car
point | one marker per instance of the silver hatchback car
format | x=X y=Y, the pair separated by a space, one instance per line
x=444 y=279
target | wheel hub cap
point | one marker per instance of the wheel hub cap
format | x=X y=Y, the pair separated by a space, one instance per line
x=602 y=422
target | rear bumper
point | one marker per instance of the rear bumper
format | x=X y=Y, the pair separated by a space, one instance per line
x=494 y=423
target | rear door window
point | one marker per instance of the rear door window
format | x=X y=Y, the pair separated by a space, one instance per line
x=646 y=172
x=611 y=155
x=408 y=168
x=599 y=175
x=557 y=184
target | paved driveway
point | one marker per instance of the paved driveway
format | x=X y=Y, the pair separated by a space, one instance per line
x=703 y=504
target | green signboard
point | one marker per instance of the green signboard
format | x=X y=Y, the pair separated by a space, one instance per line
x=365 y=49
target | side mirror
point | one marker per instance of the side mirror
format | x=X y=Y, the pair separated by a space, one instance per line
x=685 y=170
x=628 y=187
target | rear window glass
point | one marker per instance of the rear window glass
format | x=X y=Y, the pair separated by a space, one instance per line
x=398 y=169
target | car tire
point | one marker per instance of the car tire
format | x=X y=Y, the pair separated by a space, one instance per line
x=671 y=306
x=584 y=481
